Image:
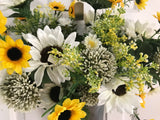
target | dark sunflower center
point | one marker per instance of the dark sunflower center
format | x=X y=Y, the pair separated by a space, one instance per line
x=65 y=115
x=14 y=54
x=56 y=7
x=45 y=54
x=138 y=1
x=120 y=91
x=54 y=93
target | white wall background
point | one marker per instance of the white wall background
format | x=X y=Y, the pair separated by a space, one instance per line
x=152 y=110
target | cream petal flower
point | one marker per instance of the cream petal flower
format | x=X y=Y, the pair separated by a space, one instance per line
x=116 y=97
x=44 y=42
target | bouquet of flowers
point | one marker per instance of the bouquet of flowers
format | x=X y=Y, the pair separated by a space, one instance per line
x=70 y=58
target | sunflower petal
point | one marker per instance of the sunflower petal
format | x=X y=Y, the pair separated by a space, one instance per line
x=19 y=43
x=67 y=102
x=18 y=69
x=10 y=71
x=10 y=41
x=3 y=43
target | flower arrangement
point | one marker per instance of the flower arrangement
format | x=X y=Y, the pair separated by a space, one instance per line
x=68 y=59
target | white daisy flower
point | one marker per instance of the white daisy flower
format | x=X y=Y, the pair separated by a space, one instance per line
x=50 y=95
x=114 y=95
x=91 y=41
x=138 y=29
x=130 y=28
x=44 y=42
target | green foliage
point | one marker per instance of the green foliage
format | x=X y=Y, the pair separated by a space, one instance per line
x=147 y=46
x=107 y=26
x=22 y=10
x=33 y=23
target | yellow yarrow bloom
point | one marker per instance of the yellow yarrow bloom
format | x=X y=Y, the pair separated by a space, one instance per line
x=71 y=110
x=14 y=55
x=115 y=2
x=3 y=21
x=58 y=6
x=140 y=4
x=71 y=9
x=158 y=16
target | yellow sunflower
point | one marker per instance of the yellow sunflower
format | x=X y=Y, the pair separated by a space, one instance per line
x=71 y=110
x=3 y=21
x=71 y=9
x=58 y=6
x=158 y=16
x=14 y=55
x=140 y=4
x=115 y=2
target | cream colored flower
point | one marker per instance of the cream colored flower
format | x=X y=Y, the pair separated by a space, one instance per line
x=41 y=59
x=115 y=96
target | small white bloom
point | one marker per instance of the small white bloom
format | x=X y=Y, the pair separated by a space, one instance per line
x=64 y=21
x=115 y=96
x=130 y=28
x=41 y=60
x=91 y=41
x=139 y=27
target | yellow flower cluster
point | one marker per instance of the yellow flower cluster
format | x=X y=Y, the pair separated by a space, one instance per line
x=69 y=57
x=93 y=80
x=130 y=66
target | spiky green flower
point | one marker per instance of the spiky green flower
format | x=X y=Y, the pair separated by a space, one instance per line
x=100 y=60
x=19 y=92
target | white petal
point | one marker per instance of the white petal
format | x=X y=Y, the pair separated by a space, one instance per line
x=32 y=40
x=42 y=37
x=35 y=53
x=124 y=105
x=75 y=44
x=52 y=76
x=59 y=35
x=52 y=40
x=108 y=106
x=70 y=39
x=33 y=65
x=47 y=30
x=103 y=97
x=58 y=74
x=38 y=76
